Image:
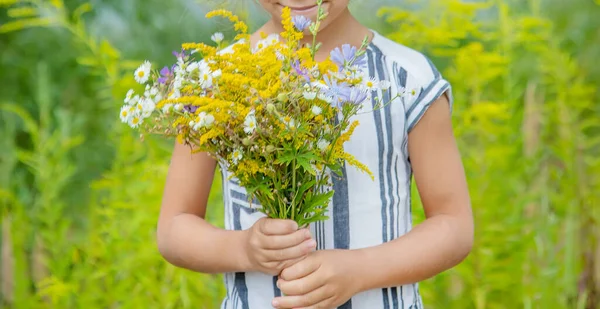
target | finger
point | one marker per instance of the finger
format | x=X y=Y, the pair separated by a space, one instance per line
x=294 y=252
x=326 y=304
x=270 y=226
x=312 y=299
x=300 y=269
x=286 y=241
x=301 y=286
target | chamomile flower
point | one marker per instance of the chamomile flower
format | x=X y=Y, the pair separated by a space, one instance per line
x=133 y=101
x=148 y=107
x=316 y=110
x=384 y=85
x=135 y=120
x=125 y=114
x=143 y=72
x=324 y=97
x=129 y=95
x=272 y=39
x=206 y=79
x=217 y=37
x=371 y=83
x=209 y=120
x=309 y=95
x=250 y=123
x=236 y=156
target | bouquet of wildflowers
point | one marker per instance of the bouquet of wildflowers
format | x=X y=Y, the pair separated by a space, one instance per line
x=272 y=115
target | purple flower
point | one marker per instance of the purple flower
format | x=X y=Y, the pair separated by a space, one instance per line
x=300 y=71
x=356 y=95
x=165 y=73
x=179 y=55
x=338 y=92
x=347 y=56
x=301 y=22
x=190 y=108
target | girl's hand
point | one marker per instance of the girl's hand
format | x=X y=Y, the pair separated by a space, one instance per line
x=273 y=244
x=322 y=280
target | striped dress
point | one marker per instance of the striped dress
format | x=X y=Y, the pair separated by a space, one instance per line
x=363 y=212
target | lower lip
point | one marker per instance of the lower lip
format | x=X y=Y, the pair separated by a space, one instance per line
x=305 y=10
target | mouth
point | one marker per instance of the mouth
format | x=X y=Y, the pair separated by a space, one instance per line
x=303 y=10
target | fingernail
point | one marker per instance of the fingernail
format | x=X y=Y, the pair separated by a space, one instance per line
x=275 y=303
x=311 y=243
x=278 y=284
x=307 y=234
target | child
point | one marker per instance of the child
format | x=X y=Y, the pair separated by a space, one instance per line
x=368 y=256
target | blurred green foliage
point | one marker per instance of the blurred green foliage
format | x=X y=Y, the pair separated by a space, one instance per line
x=79 y=193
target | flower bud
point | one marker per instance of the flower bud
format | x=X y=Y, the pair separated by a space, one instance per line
x=270 y=148
x=270 y=107
x=282 y=97
x=246 y=141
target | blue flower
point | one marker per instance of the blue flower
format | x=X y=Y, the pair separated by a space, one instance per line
x=301 y=22
x=347 y=56
x=357 y=96
x=338 y=92
x=300 y=71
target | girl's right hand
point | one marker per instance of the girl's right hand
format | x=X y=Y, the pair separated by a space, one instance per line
x=274 y=244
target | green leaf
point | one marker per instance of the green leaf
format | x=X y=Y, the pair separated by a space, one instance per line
x=82 y=9
x=108 y=49
x=26 y=23
x=31 y=126
x=22 y=12
x=305 y=187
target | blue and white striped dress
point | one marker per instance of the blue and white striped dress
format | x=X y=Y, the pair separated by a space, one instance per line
x=363 y=212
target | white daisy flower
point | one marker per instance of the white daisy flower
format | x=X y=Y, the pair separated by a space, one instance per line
x=135 y=120
x=125 y=114
x=192 y=66
x=217 y=37
x=217 y=73
x=178 y=106
x=384 y=85
x=322 y=144
x=250 y=123
x=291 y=124
x=309 y=95
x=134 y=100
x=316 y=110
x=143 y=72
x=236 y=156
x=325 y=98
x=206 y=79
x=129 y=95
x=209 y=120
x=371 y=83
x=272 y=39
x=148 y=107
x=153 y=91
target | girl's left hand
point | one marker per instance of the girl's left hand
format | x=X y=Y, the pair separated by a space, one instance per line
x=324 y=279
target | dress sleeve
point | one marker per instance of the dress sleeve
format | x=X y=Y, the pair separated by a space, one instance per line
x=424 y=91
